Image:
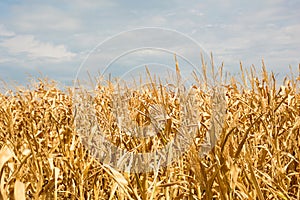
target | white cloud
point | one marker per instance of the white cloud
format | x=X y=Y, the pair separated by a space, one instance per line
x=91 y=4
x=5 y=32
x=35 y=49
x=43 y=18
x=4 y=60
x=157 y=20
x=293 y=32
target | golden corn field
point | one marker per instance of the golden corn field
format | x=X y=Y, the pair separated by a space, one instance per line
x=256 y=157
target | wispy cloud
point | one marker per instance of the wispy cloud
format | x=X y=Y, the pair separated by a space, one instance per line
x=33 y=48
x=4 y=32
x=43 y=18
x=89 y=5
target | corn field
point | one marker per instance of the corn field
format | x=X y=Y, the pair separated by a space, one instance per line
x=256 y=156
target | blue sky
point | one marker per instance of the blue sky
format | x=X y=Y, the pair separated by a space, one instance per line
x=53 y=37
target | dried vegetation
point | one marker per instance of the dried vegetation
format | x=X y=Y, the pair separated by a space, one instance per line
x=256 y=157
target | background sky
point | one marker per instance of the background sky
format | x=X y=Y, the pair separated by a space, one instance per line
x=52 y=38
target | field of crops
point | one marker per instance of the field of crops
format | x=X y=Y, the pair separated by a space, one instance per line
x=256 y=157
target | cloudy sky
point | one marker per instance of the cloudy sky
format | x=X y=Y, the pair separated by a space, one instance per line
x=52 y=38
